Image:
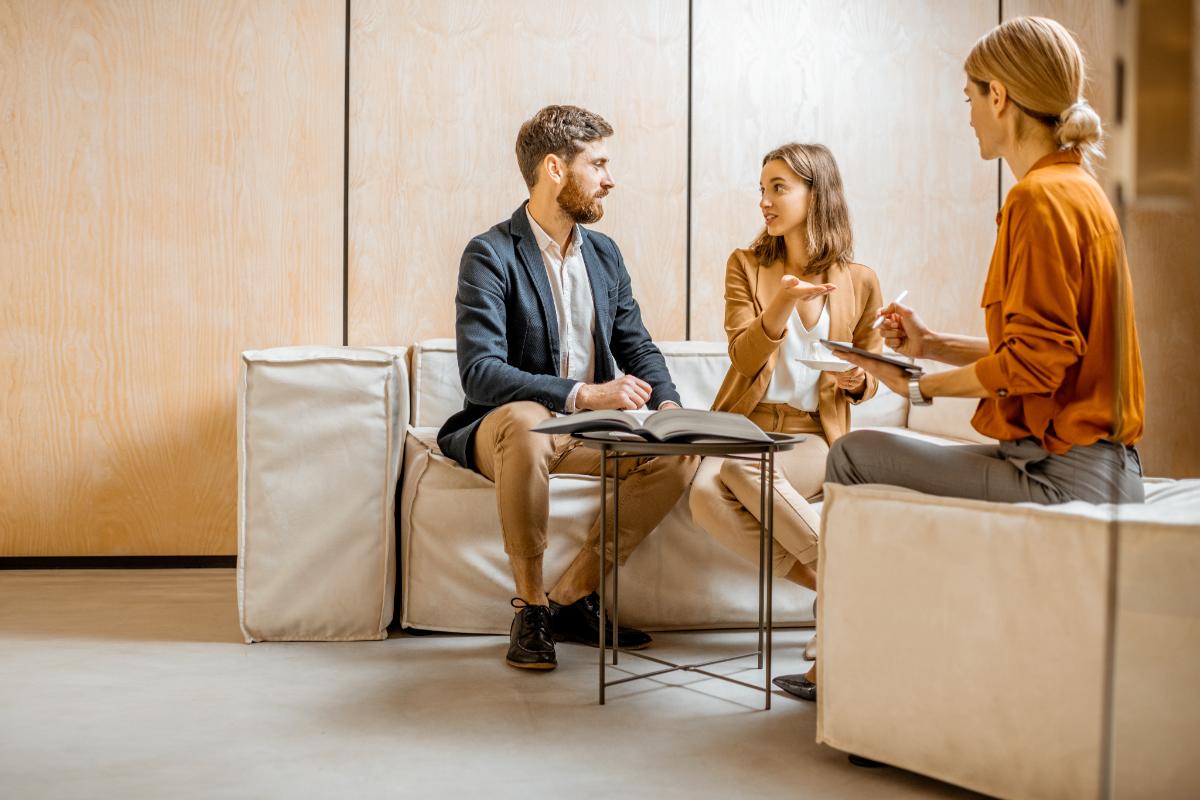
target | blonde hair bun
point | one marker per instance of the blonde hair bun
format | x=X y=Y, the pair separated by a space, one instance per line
x=1079 y=127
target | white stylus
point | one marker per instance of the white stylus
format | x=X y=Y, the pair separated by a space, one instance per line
x=879 y=320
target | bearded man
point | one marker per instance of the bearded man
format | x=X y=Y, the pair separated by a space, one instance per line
x=544 y=309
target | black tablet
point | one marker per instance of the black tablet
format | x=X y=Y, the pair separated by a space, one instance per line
x=907 y=366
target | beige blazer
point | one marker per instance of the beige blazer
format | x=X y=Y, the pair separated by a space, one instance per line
x=749 y=287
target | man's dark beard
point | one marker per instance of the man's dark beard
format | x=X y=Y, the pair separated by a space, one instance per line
x=577 y=204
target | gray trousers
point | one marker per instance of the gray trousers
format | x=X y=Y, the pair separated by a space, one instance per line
x=1008 y=472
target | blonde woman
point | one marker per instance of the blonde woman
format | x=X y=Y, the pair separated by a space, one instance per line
x=796 y=284
x=1059 y=375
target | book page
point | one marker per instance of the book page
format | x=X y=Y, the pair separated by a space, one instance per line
x=685 y=423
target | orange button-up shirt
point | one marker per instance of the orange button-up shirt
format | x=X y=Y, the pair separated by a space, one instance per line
x=1064 y=365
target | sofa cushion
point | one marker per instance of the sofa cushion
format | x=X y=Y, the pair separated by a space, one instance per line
x=697 y=368
x=948 y=417
x=436 y=388
x=885 y=409
x=924 y=437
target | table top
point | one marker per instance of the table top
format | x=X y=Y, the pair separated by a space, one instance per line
x=602 y=440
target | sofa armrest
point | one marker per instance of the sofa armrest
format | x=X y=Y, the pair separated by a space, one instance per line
x=960 y=637
x=320 y=436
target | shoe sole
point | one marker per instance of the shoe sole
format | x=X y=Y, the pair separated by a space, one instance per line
x=530 y=666
x=799 y=694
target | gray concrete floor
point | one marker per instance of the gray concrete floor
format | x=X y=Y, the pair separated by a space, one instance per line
x=136 y=684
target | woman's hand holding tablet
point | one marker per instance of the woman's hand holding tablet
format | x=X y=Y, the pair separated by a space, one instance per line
x=840 y=348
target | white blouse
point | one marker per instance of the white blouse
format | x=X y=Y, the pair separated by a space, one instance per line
x=794 y=383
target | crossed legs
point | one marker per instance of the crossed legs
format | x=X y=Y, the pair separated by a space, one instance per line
x=520 y=463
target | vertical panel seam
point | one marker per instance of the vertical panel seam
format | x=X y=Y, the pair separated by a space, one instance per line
x=999 y=161
x=1112 y=604
x=346 y=189
x=687 y=263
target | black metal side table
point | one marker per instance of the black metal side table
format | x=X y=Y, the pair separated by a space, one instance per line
x=614 y=449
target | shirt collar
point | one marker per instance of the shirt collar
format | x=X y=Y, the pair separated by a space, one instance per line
x=1049 y=160
x=544 y=241
x=1057 y=157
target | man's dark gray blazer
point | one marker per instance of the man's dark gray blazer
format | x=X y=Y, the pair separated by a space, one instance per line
x=507 y=329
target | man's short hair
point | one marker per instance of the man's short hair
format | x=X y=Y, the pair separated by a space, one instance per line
x=561 y=130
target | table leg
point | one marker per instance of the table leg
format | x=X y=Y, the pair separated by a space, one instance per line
x=603 y=546
x=616 y=604
x=770 y=543
x=762 y=548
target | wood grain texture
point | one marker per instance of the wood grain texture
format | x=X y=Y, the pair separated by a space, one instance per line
x=170 y=194
x=438 y=93
x=1163 y=240
x=881 y=85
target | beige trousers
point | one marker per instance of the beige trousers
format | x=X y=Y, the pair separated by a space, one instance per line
x=725 y=494
x=520 y=463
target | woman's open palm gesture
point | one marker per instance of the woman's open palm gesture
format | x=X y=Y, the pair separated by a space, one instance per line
x=799 y=290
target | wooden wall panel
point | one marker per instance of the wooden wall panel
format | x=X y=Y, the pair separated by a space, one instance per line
x=438 y=93
x=170 y=194
x=1162 y=234
x=881 y=85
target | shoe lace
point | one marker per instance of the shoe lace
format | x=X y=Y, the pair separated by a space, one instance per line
x=539 y=620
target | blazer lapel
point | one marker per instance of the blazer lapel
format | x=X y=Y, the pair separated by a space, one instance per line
x=841 y=304
x=535 y=267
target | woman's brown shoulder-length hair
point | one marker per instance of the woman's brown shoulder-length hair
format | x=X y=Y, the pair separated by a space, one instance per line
x=830 y=240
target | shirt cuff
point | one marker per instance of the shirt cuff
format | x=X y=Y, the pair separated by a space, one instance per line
x=990 y=373
x=572 y=395
x=664 y=402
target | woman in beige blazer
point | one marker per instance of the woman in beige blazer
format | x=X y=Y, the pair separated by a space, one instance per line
x=794 y=285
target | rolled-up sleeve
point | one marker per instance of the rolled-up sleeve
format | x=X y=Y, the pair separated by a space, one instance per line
x=1039 y=337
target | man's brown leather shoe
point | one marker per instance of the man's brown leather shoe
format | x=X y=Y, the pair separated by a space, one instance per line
x=580 y=622
x=530 y=642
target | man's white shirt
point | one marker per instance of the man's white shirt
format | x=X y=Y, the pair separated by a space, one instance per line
x=574 y=305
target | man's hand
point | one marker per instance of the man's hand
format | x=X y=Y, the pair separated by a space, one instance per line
x=904 y=332
x=626 y=393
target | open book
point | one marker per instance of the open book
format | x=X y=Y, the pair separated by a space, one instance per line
x=670 y=425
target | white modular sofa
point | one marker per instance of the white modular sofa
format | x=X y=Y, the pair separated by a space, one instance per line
x=321 y=434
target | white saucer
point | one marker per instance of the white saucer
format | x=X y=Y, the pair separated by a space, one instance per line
x=826 y=365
